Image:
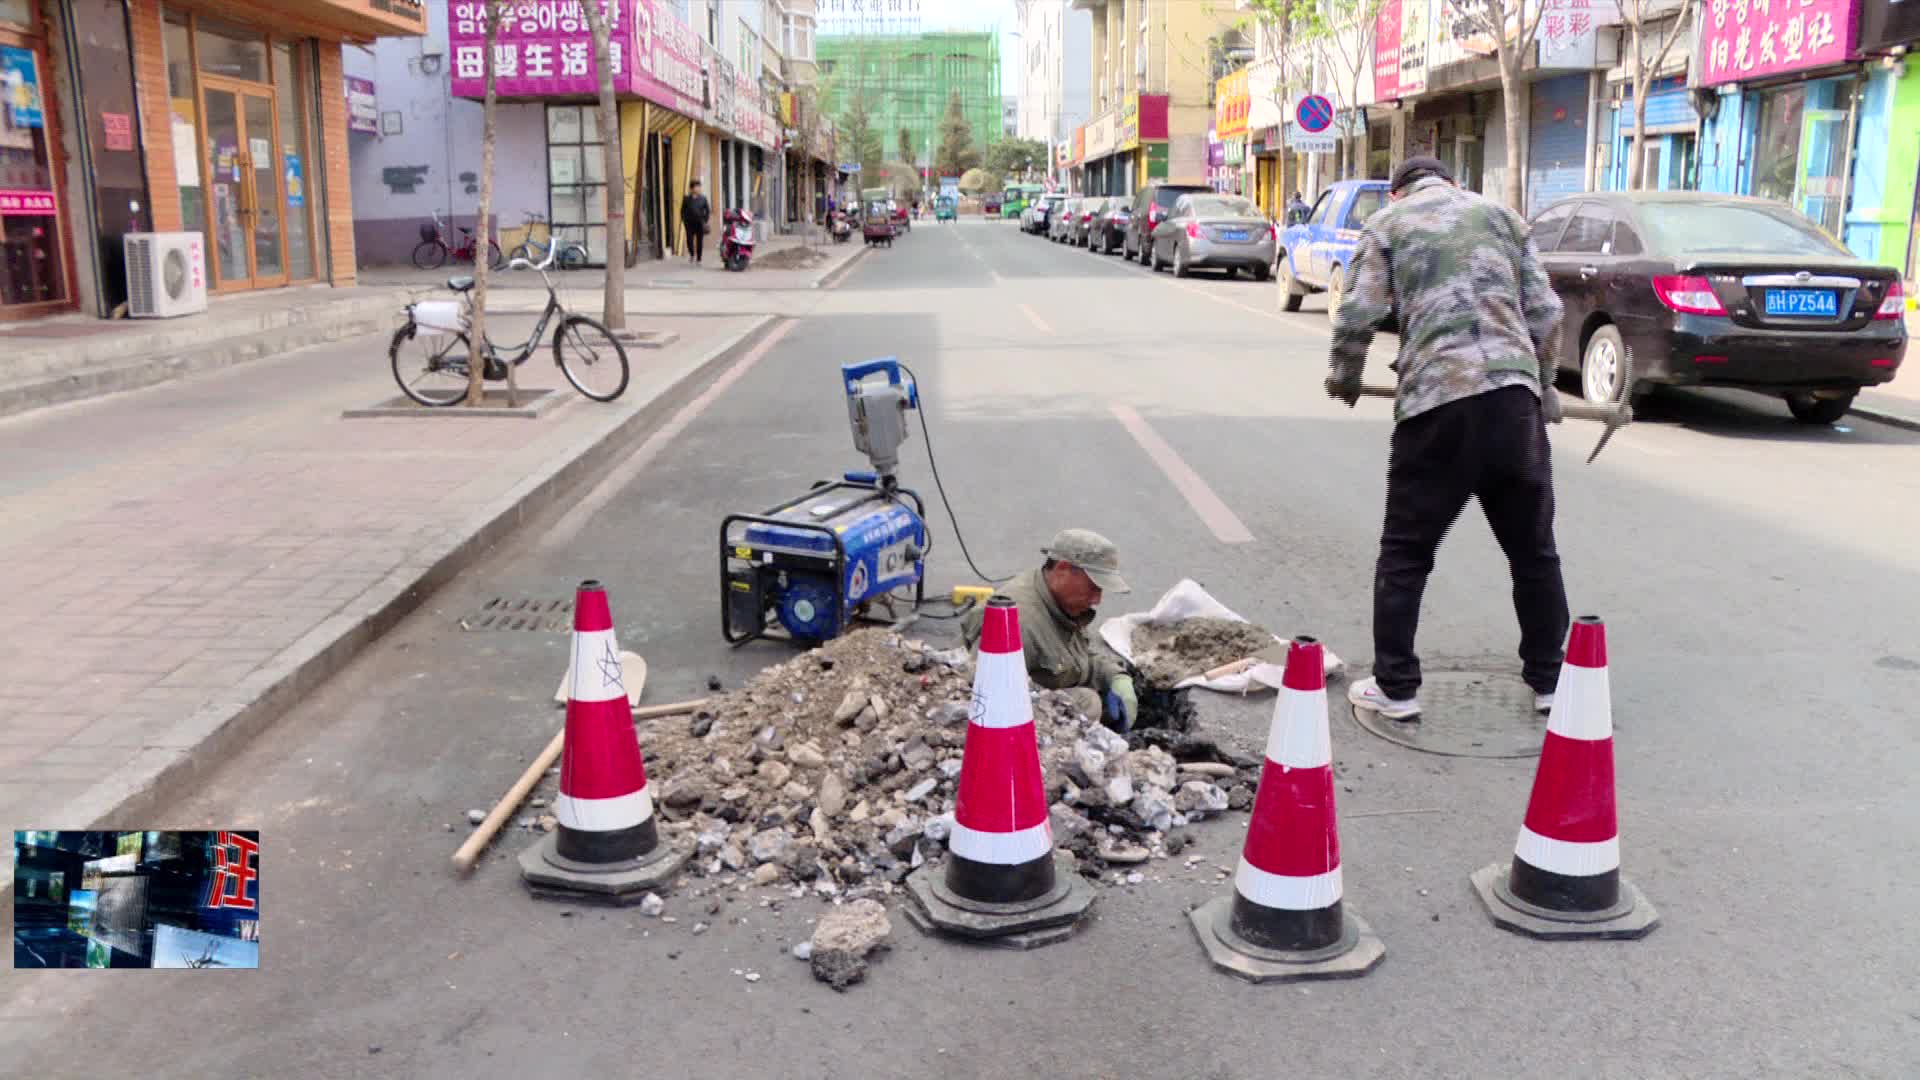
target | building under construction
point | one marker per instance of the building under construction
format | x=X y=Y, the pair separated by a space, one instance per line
x=906 y=81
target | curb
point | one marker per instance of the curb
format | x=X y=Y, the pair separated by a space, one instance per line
x=832 y=277
x=191 y=749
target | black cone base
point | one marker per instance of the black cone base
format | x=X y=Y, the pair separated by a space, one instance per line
x=619 y=845
x=1287 y=930
x=936 y=908
x=991 y=883
x=1631 y=917
x=1353 y=954
x=550 y=875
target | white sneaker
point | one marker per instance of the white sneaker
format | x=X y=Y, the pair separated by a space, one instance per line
x=1366 y=694
x=1543 y=703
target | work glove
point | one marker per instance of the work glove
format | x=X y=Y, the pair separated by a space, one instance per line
x=1123 y=703
x=1550 y=407
x=1344 y=387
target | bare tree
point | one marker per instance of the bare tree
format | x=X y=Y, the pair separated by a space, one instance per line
x=1287 y=24
x=483 y=240
x=1346 y=42
x=1513 y=32
x=1637 y=15
x=614 y=307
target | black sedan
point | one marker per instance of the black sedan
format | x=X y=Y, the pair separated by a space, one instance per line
x=1717 y=290
x=1109 y=227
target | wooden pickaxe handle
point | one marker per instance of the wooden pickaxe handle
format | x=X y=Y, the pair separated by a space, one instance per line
x=1615 y=416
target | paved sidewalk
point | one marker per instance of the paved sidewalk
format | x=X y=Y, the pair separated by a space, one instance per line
x=182 y=562
x=1897 y=402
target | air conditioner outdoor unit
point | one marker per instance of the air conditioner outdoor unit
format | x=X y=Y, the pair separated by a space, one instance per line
x=166 y=275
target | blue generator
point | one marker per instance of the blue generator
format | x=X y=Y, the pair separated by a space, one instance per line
x=811 y=566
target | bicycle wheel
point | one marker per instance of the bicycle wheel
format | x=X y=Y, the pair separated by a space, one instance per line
x=430 y=255
x=522 y=252
x=494 y=258
x=430 y=365
x=590 y=358
x=573 y=257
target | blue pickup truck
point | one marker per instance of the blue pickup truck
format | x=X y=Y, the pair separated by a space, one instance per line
x=1315 y=256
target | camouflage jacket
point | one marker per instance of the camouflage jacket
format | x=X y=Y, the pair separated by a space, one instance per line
x=1058 y=652
x=1458 y=274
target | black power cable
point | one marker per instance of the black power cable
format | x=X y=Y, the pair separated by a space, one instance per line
x=934 y=467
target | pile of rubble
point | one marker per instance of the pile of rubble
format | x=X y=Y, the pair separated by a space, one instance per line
x=836 y=770
x=1167 y=653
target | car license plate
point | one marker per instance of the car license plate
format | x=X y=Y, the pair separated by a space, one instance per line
x=1233 y=234
x=1812 y=303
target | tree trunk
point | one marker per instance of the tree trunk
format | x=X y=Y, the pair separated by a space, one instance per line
x=483 y=235
x=614 y=305
x=1637 y=164
x=1511 y=89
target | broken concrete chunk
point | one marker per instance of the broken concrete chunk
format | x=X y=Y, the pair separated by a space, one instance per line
x=832 y=794
x=806 y=756
x=768 y=845
x=843 y=940
x=849 y=707
x=1198 y=796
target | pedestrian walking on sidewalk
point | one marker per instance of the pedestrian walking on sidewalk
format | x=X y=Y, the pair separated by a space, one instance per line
x=695 y=212
x=1459 y=277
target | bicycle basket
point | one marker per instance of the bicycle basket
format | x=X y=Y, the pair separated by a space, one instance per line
x=427 y=232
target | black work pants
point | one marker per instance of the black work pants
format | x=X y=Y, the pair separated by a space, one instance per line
x=1494 y=446
x=696 y=244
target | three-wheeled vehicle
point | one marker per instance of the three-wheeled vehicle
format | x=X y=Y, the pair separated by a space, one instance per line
x=876 y=223
x=946 y=209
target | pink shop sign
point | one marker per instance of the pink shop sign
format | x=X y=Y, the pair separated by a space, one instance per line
x=668 y=54
x=26 y=203
x=542 y=48
x=1742 y=40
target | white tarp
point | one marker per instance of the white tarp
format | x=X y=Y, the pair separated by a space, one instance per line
x=1188 y=600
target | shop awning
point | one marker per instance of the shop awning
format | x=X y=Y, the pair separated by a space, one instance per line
x=350 y=20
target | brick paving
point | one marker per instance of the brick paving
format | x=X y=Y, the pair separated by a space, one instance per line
x=157 y=548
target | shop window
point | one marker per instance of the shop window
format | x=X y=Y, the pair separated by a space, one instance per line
x=32 y=263
x=576 y=178
x=236 y=52
x=1776 y=147
x=178 y=42
x=292 y=78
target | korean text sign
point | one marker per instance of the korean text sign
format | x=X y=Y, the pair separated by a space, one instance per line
x=542 y=48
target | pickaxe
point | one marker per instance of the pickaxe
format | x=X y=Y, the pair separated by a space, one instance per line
x=1615 y=416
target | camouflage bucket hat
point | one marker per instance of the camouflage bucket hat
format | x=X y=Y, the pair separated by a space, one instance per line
x=1091 y=552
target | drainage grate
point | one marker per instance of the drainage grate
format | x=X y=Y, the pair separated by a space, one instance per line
x=528 y=614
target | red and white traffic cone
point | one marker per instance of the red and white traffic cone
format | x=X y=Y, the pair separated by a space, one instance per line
x=1287 y=917
x=1002 y=881
x=1565 y=880
x=607 y=845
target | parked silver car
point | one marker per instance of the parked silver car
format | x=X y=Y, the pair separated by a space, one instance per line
x=1060 y=222
x=1214 y=231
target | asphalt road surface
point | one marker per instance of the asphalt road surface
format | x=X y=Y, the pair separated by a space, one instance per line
x=1759 y=584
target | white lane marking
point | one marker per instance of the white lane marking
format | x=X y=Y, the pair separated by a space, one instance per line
x=1225 y=525
x=1033 y=317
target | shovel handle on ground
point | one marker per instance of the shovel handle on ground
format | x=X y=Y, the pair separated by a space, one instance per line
x=1615 y=416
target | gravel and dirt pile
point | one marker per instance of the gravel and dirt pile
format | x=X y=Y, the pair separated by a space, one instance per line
x=793 y=258
x=1169 y=652
x=835 y=771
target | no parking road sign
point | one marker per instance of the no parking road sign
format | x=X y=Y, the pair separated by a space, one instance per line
x=1314 y=114
x=1310 y=134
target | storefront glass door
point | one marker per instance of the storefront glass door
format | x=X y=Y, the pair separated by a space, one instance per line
x=248 y=205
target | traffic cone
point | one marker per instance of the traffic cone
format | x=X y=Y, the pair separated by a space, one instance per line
x=1287 y=918
x=607 y=846
x=1564 y=881
x=1002 y=882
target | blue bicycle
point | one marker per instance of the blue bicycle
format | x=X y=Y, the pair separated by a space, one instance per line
x=569 y=256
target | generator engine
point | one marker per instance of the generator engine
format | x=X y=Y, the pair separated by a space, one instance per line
x=811 y=565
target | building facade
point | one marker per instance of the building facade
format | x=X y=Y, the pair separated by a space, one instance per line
x=226 y=119
x=706 y=91
x=1056 y=70
x=1151 y=91
x=907 y=80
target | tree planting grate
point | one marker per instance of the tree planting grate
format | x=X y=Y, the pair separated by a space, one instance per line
x=522 y=613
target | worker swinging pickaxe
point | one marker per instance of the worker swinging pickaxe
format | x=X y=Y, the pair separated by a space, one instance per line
x=1616 y=416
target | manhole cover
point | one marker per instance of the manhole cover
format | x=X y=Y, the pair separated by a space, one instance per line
x=1479 y=714
x=539 y=616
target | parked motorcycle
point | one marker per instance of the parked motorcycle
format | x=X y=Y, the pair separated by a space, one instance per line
x=842 y=228
x=736 y=244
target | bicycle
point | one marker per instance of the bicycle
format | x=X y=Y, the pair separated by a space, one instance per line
x=436 y=355
x=572 y=256
x=433 y=250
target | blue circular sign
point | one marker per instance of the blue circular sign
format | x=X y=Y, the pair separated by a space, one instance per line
x=1314 y=114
